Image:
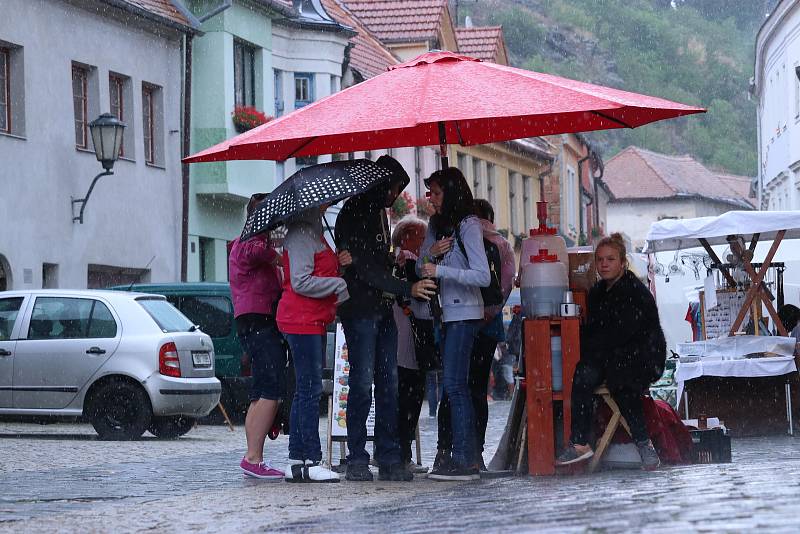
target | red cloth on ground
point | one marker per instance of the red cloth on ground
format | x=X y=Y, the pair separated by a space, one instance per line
x=669 y=435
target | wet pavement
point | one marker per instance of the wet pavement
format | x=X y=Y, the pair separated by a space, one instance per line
x=61 y=478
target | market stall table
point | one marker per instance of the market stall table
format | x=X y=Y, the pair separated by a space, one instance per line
x=726 y=357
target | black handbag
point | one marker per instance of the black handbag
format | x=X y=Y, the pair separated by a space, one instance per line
x=426 y=349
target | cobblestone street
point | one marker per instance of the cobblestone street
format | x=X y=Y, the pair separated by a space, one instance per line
x=60 y=478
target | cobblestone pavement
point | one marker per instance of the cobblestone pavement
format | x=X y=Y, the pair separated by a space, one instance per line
x=60 y=478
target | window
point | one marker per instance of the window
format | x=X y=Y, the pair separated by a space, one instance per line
x=71 y=318
x=12 y=89
x=116 y=89
x=9 y=308
x=212 y=314
x=101 y=322
x=206 y=259
x=244 y=78
x=5 y=90
x=796 y=84
x=491 y=193
x=49 y=275
x=100 y=276
x=152 y=124
x=512 y=202
x=570 y=195
x=305 y=161
x=165 y=315
x=80 y=103
x=278 y=92
x=527 y=201
x=418 y=178
x=477 y=178
x=303 y=89
x=148 y=121
x=461 y=162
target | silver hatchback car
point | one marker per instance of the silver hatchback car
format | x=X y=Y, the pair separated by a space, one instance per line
x=130 y=362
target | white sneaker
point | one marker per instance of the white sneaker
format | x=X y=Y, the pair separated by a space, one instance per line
x=320 y=472
x=294 y=466
x=309 y=471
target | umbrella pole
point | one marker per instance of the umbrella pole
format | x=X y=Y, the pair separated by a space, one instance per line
x=328 y=226
x=443 y=145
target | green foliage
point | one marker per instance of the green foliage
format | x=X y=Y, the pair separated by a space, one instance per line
x=699 y=52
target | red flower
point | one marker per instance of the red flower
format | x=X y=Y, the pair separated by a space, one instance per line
x=247 y=117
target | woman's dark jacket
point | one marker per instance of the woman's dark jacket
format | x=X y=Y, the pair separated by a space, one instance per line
x=623 y=333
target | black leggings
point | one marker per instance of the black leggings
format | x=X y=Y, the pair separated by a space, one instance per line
x=588 y=376
x=411 y=392
x=478 y=382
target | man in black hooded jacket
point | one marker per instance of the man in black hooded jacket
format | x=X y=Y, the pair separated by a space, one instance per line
x=362 y=228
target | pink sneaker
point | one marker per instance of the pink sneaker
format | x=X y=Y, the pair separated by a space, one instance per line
x=262 y=470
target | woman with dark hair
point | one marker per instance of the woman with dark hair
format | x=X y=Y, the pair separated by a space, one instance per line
x=789 y=315
x=623 y=346
x=461 y=271
x=500 y=256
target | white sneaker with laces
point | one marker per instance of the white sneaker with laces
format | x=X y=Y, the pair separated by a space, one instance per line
x=308 y=471
x=320 y=472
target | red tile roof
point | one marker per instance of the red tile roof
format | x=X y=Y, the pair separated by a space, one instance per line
x=636 y=173
x=481 y=42
x=740 y=184
x=162 y=8
x=368 y=56
x=400 y=20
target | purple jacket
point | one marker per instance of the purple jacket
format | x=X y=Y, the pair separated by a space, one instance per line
x=254 y=276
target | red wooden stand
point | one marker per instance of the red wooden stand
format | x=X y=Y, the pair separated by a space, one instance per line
x=540 y=396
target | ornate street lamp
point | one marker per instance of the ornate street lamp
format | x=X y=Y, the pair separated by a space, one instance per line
x=107 y=133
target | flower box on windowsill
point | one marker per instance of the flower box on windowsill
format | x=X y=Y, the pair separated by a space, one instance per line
x=247 y=117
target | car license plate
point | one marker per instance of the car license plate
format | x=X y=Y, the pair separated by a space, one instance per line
x=201 y=359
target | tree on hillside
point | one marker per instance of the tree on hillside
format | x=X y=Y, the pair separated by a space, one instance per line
x=698 y=52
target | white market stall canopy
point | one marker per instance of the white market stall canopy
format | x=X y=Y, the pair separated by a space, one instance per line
x=675 y=234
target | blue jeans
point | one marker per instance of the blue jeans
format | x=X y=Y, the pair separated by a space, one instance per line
x=372 y=349
x=307 y=353
x=433 y=386
x=458 y=338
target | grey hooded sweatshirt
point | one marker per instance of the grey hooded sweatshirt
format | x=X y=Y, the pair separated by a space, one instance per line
x=303 y=240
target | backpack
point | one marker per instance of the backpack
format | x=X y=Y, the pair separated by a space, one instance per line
x=493 y=293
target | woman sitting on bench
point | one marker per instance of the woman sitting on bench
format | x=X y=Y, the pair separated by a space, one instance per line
x=622 y=346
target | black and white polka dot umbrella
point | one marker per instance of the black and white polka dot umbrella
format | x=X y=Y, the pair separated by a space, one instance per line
x=326 y=183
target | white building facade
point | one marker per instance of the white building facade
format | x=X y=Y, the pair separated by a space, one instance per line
x=61 y=65
x=776 y=86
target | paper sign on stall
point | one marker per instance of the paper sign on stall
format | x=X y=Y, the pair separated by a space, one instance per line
x=710 y=292
x=341 y=390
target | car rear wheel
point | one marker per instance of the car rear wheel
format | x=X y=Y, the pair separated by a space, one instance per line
x=120 y=410
x=171 y=427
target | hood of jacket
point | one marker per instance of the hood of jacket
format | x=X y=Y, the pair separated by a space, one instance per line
x=489 y=229
x=311 y=217
x=375 y=198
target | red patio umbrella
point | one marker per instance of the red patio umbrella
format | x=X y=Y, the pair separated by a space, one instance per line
x=444 y=98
